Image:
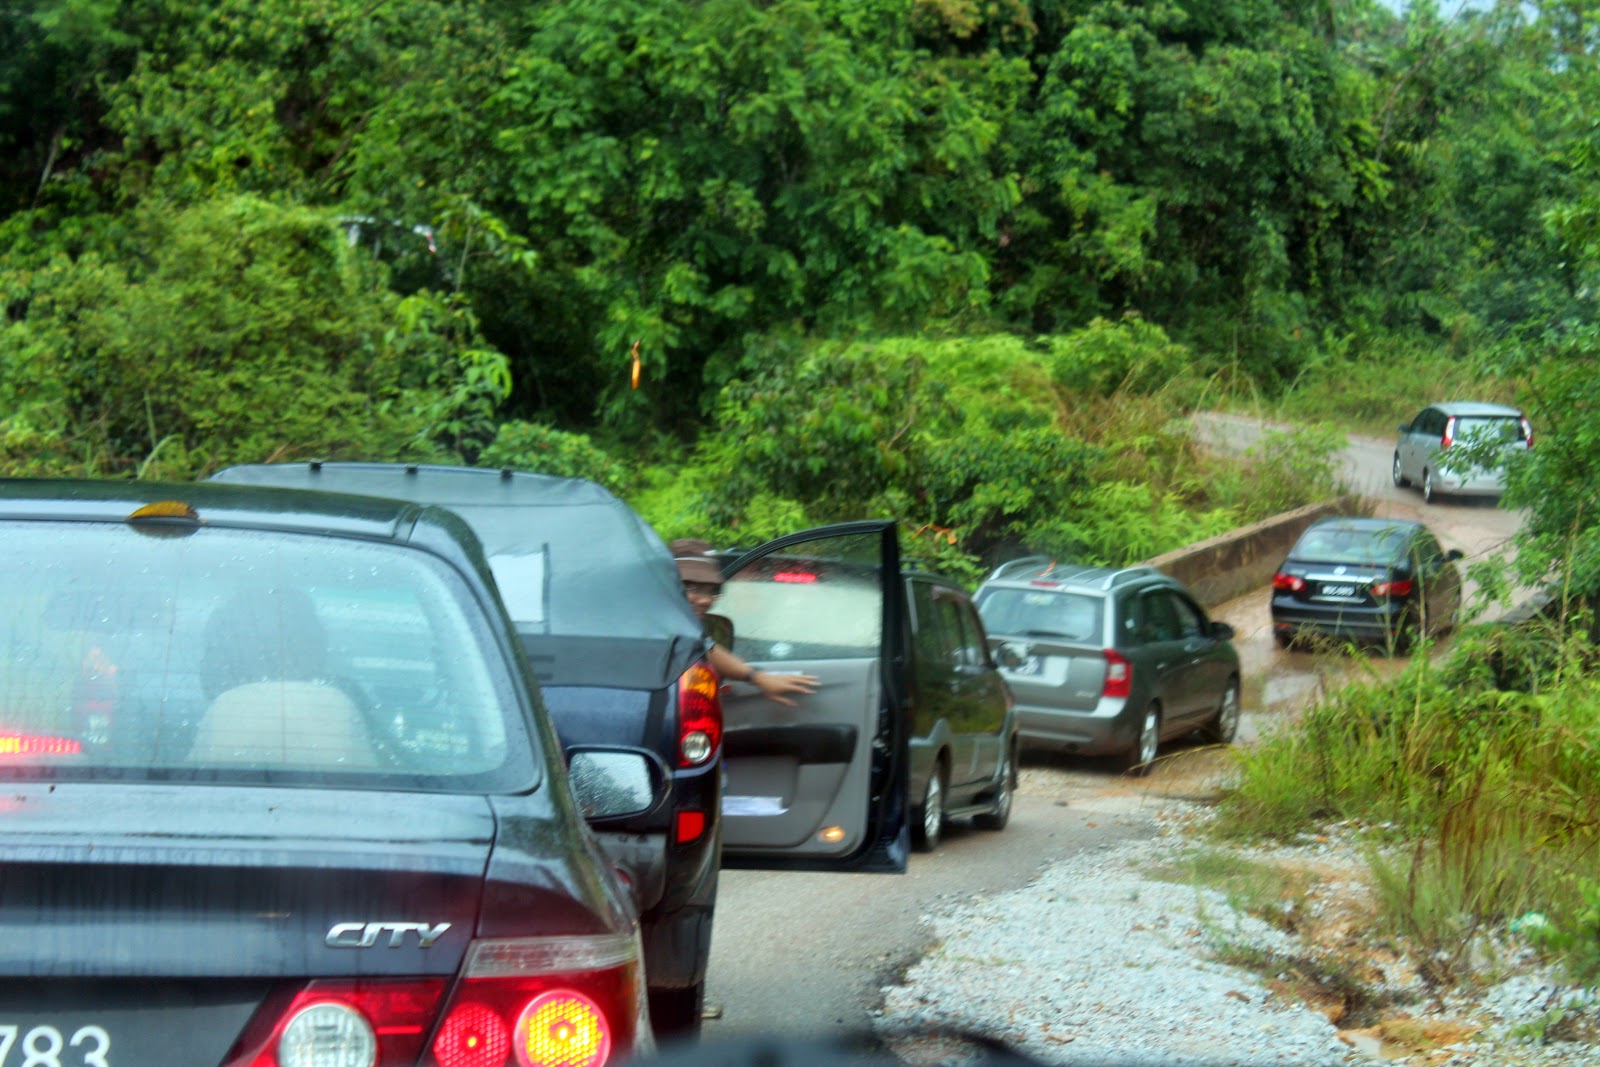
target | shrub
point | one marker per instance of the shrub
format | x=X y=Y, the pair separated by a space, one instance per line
x=545 y=450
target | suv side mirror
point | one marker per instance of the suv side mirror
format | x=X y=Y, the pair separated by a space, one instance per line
x=1453 y=555
x=1405 y=427
x=614 y=781
x=720 y=629
x=1222 y=631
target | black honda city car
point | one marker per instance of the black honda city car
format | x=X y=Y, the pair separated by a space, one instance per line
x=1375 y=581
x=279 y=791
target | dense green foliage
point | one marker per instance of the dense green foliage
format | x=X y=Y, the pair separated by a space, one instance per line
x=751 y=262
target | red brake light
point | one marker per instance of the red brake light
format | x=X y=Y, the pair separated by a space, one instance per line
x=528 y=1002
x=690 y=825
x=1288 y=583
x=1401 y=587
x=1449 y=433
x=1047 y=585
x=795 y=577
x=1527 y=432
x=38 y=745
x=1119 y=675
x=699 y=715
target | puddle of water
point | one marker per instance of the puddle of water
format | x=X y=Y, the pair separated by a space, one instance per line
x=1375 y=1047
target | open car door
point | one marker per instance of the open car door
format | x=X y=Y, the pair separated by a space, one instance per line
x=821 y=785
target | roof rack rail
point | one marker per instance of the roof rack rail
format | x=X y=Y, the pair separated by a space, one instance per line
x=1022 y=563
x=1127 y=574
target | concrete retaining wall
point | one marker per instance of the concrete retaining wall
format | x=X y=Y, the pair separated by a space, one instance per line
x=1242 y=560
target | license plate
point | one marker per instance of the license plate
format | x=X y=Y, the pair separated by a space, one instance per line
x=1327 y=590
x=22 y=1045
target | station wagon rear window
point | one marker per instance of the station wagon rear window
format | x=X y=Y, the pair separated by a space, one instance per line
x=247 y=655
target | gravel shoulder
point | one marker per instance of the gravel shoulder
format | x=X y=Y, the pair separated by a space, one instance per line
x=1119 y=957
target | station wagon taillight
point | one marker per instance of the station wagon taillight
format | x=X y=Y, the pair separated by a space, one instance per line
x=1119 y=675
x=699 y=715
x=1449 y=437
x=1527 y=432
x=520 y=1002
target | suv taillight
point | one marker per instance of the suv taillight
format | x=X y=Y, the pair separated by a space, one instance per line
x=520 y=1002
x=699 y=715
x=1119 y=675
x=1449 y=437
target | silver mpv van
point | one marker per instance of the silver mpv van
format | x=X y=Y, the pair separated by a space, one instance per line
x=1423 y=456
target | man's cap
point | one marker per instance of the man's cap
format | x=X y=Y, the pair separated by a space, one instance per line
x=695 y=561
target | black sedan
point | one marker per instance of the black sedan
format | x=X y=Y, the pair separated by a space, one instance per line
x=279 y=792
x=1379 y=581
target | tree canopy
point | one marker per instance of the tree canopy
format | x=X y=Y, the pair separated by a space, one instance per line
x=915 y=236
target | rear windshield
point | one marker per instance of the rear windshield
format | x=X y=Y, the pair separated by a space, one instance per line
x=239 y=655
x=1508 y=428
x=1333 y=545
x=1041 y=613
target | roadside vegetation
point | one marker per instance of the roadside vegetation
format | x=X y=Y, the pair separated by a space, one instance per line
x=1474 y=779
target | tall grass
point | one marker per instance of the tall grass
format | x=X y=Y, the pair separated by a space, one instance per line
x=1484 y=803
x=1373 y=390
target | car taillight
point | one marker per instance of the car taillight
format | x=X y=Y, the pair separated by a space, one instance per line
x=343 y=1023
x=520 y=1002
x=1527 y=432
x=1400 y=587
x=1288 y=583
x=1119 y=675
x=1449 y=437
x=699 y=715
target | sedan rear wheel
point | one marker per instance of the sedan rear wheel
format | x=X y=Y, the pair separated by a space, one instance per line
x=1427 y=487
x=929 y=827
x=1399 y=477
x=1137 y=760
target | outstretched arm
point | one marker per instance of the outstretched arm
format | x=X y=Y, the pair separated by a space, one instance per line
x=778 y=687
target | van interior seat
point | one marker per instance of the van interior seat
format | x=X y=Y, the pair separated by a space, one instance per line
x=287 y=725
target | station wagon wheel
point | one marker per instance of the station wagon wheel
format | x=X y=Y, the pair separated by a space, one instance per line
x=1225 y=727
x=997 y=818
x=928 y=828
x=1137 y=760
x=1427 y=487
x=1399 y=478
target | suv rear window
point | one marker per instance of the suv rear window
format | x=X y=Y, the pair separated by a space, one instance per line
x=241 y=655
x=1042 y=613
